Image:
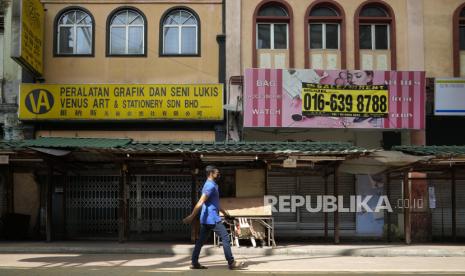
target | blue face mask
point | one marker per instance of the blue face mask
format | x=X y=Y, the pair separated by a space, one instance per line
x=218 y=176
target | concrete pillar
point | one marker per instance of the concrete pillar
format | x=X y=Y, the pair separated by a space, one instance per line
x=418 y=137
x=12 y=129
x=233 y=64
x=416 y=52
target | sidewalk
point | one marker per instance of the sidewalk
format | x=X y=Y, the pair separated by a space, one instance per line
x=146 y=264
x=284 y=249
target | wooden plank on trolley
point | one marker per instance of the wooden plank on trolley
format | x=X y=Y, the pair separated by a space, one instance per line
x=245 y=206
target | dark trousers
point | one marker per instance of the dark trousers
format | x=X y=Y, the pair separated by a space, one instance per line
x=220 y=230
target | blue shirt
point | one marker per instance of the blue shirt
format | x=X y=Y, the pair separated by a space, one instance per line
x=211 y=207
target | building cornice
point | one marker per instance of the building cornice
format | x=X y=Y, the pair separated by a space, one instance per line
x=126 y=2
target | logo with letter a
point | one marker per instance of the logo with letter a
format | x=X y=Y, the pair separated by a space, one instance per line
x=39 y=101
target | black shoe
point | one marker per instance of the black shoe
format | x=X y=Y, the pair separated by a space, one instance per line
x=198 y=266
x=236 y=265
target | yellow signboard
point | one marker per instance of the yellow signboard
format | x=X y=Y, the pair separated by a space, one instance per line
x=347 y=101
x=121 y=102
x=28 y=21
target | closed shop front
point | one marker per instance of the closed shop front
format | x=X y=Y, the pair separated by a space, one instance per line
x=442 y=213
x=308 y=183
x=157 y=204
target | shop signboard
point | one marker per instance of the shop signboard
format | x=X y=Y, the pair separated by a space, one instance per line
x=115 y=102
x=449 y=97
x=308 y=98
x=28 y=34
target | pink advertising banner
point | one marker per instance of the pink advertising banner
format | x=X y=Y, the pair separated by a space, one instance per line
x=272 y=98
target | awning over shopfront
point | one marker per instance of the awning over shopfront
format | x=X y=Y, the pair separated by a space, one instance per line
x=8 y=145
x=122 y=165
x=439 y=154
x=405 y=157
x=206 y=151
x=434 y=158
x=352 y=159
x=73 y=143
x=380 y=161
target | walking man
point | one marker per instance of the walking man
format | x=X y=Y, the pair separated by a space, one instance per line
x=209 y=203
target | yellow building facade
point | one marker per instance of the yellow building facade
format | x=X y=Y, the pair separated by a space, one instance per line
x=86 y=57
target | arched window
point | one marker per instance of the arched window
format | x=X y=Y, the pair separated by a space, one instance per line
x=127 y=33
x=459 y=41
x=74 y=29
x=273 y=10
x=373 y=11
x=374 y=36
x=325 y=36
x=375 y=47
x=180 y=33
x=272 y=35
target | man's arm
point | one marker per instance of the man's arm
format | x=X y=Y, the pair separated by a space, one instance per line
x=196 y=210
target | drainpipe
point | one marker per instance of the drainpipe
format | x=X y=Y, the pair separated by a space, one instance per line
x=221 y=39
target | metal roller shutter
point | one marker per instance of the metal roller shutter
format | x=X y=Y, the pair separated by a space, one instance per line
x=442 y=214
x=395 y=198
x=92 y=205
x=278 y=186
x=311 y=185
x=3 y=180
x=158 y=203
x=460 y=199
x=346 y=189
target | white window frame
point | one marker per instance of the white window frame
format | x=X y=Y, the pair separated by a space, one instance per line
x=126 y=26
x=323 y=30
x=272 y=35
x=180 y=26
x=373 y=36
x=74 y=28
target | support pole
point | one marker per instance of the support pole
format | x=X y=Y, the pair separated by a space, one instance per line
x=65 y=191
x=325 y=213
x=48 y=205
x=336 y=214
x=454 y=206
x=122 y=208
x=195 y=226
x=388 y=219
x=10 y=190
x=407 y=213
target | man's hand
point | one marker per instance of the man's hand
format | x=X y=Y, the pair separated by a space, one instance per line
x=188 y=219
x=198 y=206
x=225 y=214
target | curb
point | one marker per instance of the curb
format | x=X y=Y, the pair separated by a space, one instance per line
x=210 y=250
